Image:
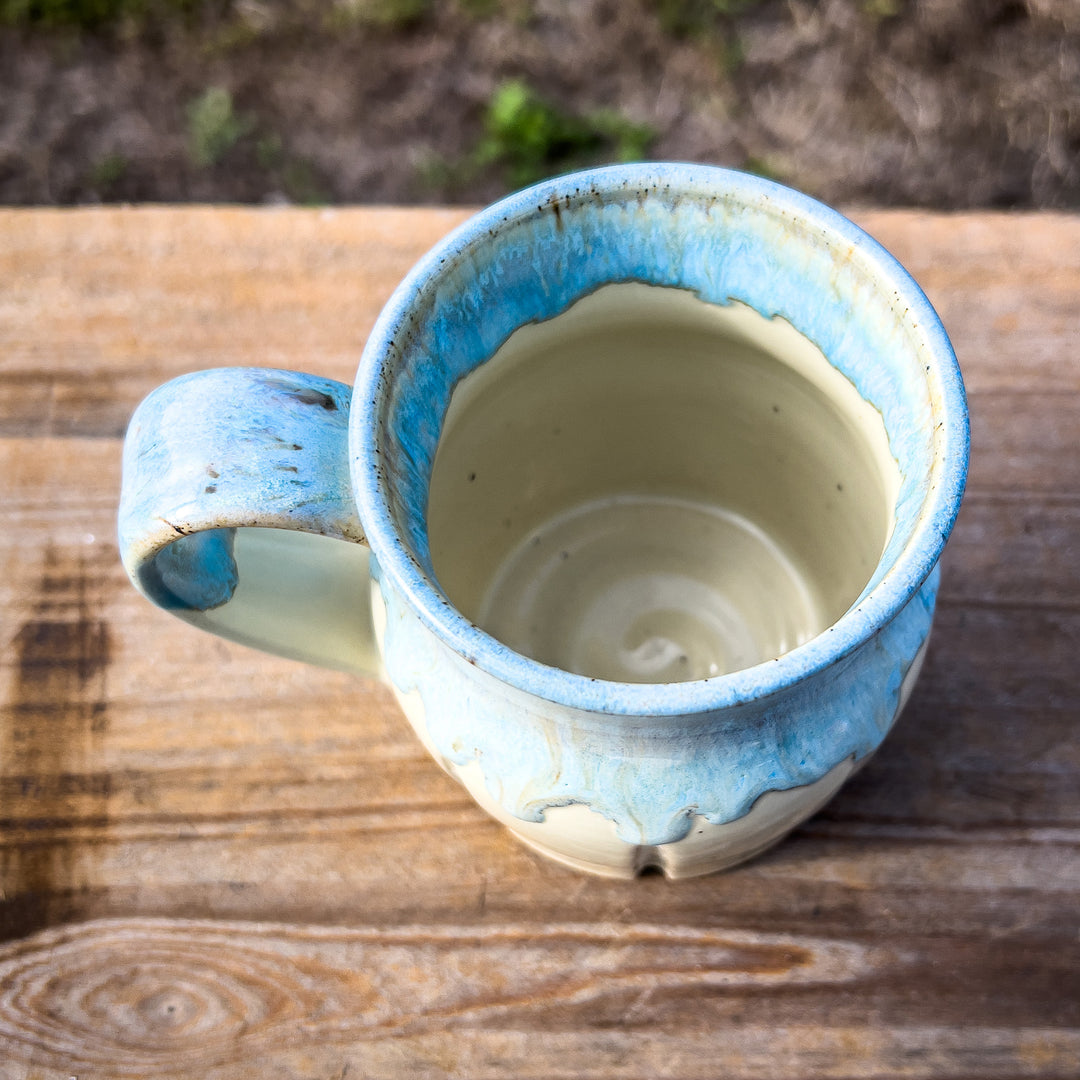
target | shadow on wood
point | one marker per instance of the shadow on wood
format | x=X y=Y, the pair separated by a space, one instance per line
x=52 y=743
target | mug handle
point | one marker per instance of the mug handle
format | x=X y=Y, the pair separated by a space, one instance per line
x=233 y=479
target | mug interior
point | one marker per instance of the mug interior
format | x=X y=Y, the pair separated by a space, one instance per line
x=649 y=488
x=733 y=242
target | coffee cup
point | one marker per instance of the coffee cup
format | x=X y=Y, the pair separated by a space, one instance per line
x=636 y=503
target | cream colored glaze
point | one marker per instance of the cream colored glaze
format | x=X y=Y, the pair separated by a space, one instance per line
x=646 y=588
x=317 y=611
x=649 y=488
x=583 y=839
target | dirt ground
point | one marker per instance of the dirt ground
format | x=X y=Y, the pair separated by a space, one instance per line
x=936 y=103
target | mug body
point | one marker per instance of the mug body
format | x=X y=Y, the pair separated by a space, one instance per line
x=656 y=463
x=616 y=793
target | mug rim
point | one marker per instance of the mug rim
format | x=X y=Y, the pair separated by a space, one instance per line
x=898 y=585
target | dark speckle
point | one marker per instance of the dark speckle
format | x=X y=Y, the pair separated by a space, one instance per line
x=776 y=408
x=472 y=477
x=210 y=489
x=506 y=523
x=839 y=487
x=307 y=396
x=288 y=468
x=212 y=472
x=564 y=554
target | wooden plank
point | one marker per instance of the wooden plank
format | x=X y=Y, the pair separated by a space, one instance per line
x=301 y=288
x=134 y=296
x=218 y=864
x=617 y=1000
x=1005 y=286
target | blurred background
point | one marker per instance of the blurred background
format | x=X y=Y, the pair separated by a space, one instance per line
x=932 y=103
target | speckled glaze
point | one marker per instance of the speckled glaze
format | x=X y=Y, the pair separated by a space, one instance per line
x=609 y=777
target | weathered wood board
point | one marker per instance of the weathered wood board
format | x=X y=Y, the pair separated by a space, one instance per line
x=215 y=864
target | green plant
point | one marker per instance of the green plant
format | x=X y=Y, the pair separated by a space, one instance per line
x=269 y=151
x=108 y=171
x=388 y=14
x=880 y=9
x=629 y=141
x=529 y=137
x=479 y=9
x=88 y=14
x=729 y=53
x=80 y=13
x=292 y=174
x=214 y=127
x=766 y=167
x=698 y=18
x=300 y=183
x=231 y=35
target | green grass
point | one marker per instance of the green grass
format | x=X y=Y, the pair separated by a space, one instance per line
x=481 y=9
x=214 y=127
x=81 y=13
x=527 y=137
x=89 y=14
x=765 y=167
x=107 y=172
x=881 y=9
x=698 y=18
x=386 y=14
x=294 y=175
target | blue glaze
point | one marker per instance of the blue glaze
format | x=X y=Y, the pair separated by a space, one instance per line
x=216 y=451
x=211 y=453
x=651 y=775
x=725 y=236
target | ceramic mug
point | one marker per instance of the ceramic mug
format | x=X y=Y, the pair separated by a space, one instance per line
x=643 y=481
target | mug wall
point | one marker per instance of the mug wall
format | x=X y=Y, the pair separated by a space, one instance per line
x=694 y=474
x=541 y=253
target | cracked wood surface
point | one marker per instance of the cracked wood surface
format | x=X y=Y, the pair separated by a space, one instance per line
x=215 y=864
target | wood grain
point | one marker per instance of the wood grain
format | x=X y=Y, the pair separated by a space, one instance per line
x=611 y=995
x=215 y=864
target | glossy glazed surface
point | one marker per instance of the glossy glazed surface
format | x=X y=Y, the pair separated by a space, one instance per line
x=726 y=237
x=648 y=488
x=650 y=776
x=648 y=760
